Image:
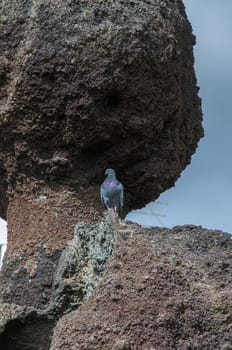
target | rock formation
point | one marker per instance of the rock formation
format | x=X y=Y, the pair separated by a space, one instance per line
x=163 y=290
x=78 y=272
x=81 y=265
x=23 y=328
x=86 y=85
x=81 y=80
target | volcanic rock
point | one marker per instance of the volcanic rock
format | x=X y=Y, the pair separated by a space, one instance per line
x=162 y=289
x=86 y=85
x=24 y=328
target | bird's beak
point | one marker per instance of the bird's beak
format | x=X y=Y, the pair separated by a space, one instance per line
x=106 y=172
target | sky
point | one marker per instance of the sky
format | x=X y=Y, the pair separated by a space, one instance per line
x=203 y=194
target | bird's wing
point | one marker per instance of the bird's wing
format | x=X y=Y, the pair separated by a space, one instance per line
x=121 y=198
x=102 y=195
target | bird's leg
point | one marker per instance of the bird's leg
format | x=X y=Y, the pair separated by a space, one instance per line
x=113 y=214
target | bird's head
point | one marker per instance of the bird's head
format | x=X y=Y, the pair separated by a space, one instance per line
x=110 y=172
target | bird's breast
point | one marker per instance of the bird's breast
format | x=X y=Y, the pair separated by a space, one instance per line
x=110 y=184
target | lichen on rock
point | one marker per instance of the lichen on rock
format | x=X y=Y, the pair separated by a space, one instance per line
x=82 y=263
x=87 y=85
x=163 y=289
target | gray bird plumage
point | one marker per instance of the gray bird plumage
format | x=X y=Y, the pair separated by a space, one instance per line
x=111 y=192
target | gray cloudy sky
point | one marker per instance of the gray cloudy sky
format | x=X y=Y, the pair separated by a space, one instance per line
x=203 y=194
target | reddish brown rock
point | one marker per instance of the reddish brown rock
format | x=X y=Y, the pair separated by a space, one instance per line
x=41 y=222
x=91 y=84
x=163 y=290
x=45 y=217
x=86 y=85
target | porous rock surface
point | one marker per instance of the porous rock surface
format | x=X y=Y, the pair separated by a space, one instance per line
x=24 y=328
x=81 y=264
x=162 y=290
x=87 y=85
x=58 y=282
x=91 y=84
x=10 y=312
x=58 y=288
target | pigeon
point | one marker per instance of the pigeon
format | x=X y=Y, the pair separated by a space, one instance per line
x=111 y=192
